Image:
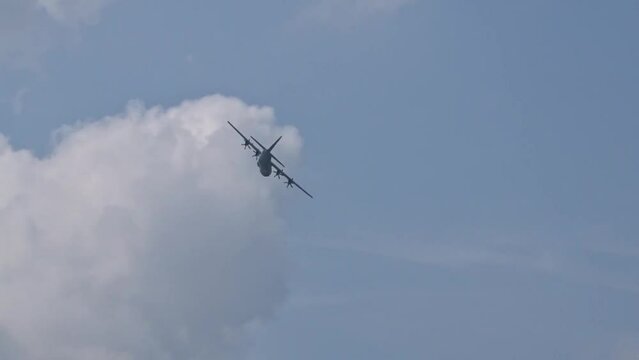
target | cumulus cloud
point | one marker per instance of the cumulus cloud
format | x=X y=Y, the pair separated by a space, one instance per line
x=145 y=235
x=29 y=27
x=346 y=12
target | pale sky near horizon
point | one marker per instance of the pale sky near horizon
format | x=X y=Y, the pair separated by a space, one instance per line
x=474 y=164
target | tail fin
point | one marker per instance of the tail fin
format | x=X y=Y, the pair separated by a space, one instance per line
x=275 y=143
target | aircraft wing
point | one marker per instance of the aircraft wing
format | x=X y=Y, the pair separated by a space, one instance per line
x=289 y=180
x=258 y=143
x=247 y=142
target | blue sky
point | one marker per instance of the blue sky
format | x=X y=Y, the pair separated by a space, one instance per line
x=474 y=164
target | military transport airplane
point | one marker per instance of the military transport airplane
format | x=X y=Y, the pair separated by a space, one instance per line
x=264 y=160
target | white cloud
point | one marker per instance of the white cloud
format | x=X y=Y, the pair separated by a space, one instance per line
x=146 y=235
x=346 y=12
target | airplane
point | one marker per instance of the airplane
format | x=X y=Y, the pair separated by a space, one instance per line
x=264 y=158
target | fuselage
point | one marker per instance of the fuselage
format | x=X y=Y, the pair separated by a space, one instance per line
x=264 y=163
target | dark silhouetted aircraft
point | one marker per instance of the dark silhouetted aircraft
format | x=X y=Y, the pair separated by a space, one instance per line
x=265 y=159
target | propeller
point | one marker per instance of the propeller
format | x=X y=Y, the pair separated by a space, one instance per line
x=256 y=153
x=289 y=183
x=247 y=143
x=278 y=173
